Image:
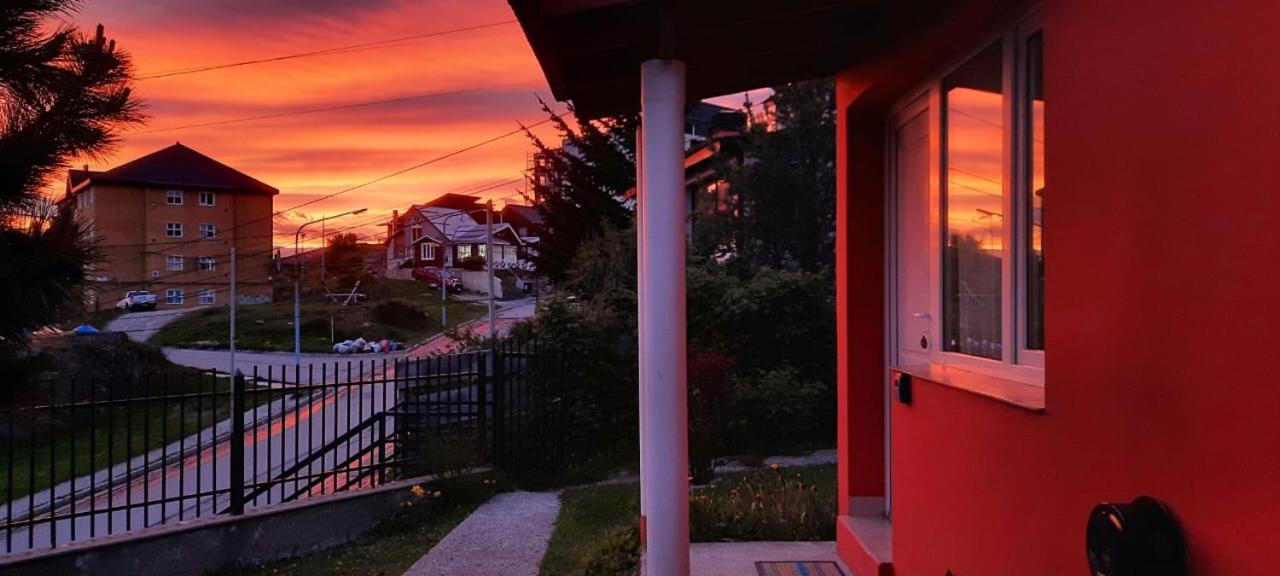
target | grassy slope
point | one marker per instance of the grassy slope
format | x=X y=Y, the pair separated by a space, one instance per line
x=101 y=368
x=590 y=516
x=395 y=544
x=587 y=517
x=270 y=326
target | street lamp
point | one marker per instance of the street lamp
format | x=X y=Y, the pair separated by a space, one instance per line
x=297 y=285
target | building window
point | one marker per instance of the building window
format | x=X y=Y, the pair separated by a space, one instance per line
x=428 y=251
x=482 y=249
x=173 y=296
x=208 y=230
x=976 y=298
x=972 y=258
x=207 y=199
x=1033 y=227
x=173 y=262
x=208 y=263
x=173 y=198
x=464 y=251
x=173 y=229
x=206 y=296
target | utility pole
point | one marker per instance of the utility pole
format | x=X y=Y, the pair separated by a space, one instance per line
x=444 y=288
x=489 y=257
x=323 y=283
x=232 y=339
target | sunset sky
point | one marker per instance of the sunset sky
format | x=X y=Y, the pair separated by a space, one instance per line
x=310 y=155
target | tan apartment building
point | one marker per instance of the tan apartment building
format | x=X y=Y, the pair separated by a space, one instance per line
x=167 y=222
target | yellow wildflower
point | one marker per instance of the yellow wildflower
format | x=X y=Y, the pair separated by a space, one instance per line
x=438 y=494
x=417 y=490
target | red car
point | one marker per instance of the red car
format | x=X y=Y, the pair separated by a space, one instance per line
x=432 y=276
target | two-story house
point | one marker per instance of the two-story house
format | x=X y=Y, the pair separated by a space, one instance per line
x=166 y=222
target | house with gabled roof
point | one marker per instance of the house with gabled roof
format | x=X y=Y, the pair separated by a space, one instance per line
x=168 y=221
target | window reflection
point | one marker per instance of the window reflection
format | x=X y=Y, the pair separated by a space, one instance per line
x=1035 y=203
x=973 y=104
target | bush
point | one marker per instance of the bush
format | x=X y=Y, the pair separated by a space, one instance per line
x=618 y=555
x=400 y=314
x=777 y=410
x=765 y=505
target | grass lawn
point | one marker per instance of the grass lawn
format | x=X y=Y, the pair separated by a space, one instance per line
x=97 y=319
x=597 y=533
x=395 y=544
x=414 y=317
x=590 y=519
x=109 y=436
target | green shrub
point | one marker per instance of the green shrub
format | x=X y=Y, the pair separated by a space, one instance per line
x=618 y=555
x=400 y=314
x=766 y=505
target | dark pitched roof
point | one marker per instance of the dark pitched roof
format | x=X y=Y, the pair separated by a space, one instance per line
x=529 y=213
x=177 y=166
x=455 y=200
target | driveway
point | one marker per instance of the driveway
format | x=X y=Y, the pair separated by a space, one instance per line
x=141 y=326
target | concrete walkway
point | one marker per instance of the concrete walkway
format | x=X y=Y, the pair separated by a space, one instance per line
x=141 y=326
x=506 y=536
x=739 y=558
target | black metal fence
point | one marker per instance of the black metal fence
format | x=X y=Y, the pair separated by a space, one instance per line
x=89 y=459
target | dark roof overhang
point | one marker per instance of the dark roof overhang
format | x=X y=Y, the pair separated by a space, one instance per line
x=591 y=50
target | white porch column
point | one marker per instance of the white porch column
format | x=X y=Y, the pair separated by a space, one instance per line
x=664 y=429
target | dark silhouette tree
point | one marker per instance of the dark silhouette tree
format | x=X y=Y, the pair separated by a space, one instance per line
x=63 y=96
x=582 y=185
x=786 y=190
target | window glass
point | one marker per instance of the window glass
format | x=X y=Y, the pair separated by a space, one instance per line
x=174 y=197
x=173 y=229
x=208 y=263
x=173 y=262
x=173 y=296
x=206 y=199
x=208 y=230
x=974 y=206
x=206 y=296
x=1035 y=202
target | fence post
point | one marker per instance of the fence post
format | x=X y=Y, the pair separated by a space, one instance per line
x=497 y=379
x=237 y=444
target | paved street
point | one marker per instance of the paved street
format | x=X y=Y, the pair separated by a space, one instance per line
x=141 y=326
x=276 y=367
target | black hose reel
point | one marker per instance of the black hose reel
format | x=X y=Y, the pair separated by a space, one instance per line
x=1140 y=538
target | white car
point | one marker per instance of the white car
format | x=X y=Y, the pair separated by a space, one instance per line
x=135 y=300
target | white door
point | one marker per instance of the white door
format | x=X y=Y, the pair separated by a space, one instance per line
x=910 y=320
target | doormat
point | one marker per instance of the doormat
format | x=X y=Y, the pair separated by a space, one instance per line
x=798 y=569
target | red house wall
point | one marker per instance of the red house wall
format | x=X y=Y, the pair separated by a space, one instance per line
x=1162 y=249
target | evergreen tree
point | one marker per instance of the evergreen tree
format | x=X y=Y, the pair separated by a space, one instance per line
x=786 y=188
x=581 y=186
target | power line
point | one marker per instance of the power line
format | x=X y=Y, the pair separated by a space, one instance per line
x=326 y=51
x=317 y=110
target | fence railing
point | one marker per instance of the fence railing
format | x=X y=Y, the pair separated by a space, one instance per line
x=86 y=459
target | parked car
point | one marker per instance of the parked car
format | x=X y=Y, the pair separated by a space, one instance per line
x=135 y=300
x=432 y=277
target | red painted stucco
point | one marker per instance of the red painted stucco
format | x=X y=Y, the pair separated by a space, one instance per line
x=1162 y=245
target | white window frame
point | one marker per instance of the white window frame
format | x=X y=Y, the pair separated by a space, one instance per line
x=206 y=263
x=173 y=229
x=208 y=231
x=464 y=251
x=213 y=199
x=207 y=297
x=173 y=296
x=428 y=251
x=173 y=263
x=1017 y=363
x=174 y=197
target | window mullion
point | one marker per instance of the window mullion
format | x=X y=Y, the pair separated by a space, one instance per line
x=1009 y=285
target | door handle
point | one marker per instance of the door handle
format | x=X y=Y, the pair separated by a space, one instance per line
x=922 y=315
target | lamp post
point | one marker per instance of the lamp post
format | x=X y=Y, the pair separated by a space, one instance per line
x=297 y=285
